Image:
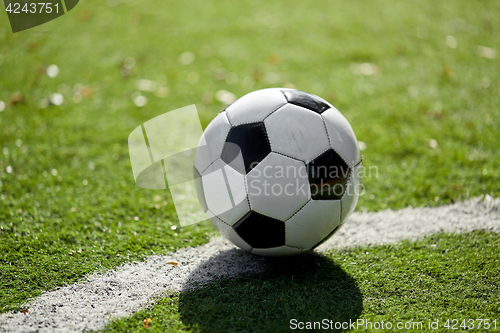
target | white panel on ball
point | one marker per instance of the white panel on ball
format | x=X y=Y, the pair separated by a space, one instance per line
x=278 y=186
x=297 y=132
x=255 y=106
x=281 y=251
x=214 y=136
x=229 y=233
x=342 y=137
x=217 y=195
x=236 y=182
x=351 y=195
x=316 y=220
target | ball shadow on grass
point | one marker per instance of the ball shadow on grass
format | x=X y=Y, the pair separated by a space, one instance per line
x=308 y=288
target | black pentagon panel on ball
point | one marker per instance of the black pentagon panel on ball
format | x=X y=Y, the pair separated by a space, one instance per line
x=328 y=176
x=199 y=189
x=261 y=231
x=253 y=142
x=305 y=100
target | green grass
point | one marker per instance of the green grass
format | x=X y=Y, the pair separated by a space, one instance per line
x=423 y=90
x=441 y=277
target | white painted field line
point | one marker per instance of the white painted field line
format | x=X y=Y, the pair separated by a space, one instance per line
x=391 y=226
x=90 y=305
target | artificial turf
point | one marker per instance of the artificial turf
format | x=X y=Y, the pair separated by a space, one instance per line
x=442 y=277
x=69 y=205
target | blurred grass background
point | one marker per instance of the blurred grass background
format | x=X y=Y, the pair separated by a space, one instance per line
x=417 y=80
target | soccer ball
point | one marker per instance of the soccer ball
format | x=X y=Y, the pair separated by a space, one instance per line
x=277 y=171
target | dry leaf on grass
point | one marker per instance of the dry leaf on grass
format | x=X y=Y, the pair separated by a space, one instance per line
x=147 y=322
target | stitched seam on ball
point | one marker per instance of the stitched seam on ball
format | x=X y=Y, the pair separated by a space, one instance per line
x=247 y=197
x=349 y=180
x=248 y=123
x=271 y=217
x=342 y=157
x=277 y=247
x=293 y=158
x=229 y=121
x=267 y=138
x=218 y=158
x=257 y=121
x=329 y=200
x=225 y=137
x=235 y=222
x=194 y=166
x=326 y=129
x=330 y=141
x=268 y=248
x=279 y=107
x=286 y=99
x=298 y=210
x=324 y=151
x=340 y=219
x=295 y=247
x=230 y=226
x=222 y=148
x=218 y=218
x=351 y=175
x=230 y=126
